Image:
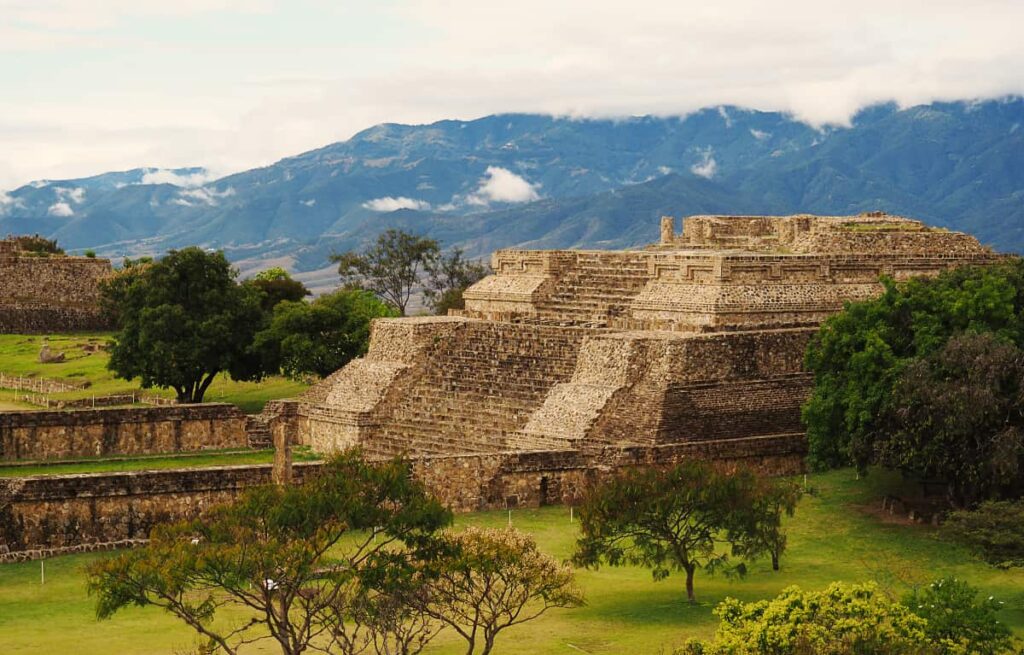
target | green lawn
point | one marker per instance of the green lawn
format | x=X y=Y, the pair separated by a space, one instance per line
x=199 y=460
x=19 y=355
x=834 y=536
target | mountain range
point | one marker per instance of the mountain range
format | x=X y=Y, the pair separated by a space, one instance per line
x=544 y=182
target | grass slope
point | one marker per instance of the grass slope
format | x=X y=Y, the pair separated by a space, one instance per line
x=834 y=536
x=19 y=355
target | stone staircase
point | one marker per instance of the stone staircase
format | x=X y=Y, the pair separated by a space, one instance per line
x=599 y=288
x=257 y=429
x=483 y=387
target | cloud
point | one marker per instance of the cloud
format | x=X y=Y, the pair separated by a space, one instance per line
x=282 y=92
x=760 y=135
x=308 y=203
x=75 y=195
x=186 y=180
x=8 y=202
x=725 y=116
x=202 y=196
x=502 y=185
x=390 y=204
x=61 y=209
x=707 y=166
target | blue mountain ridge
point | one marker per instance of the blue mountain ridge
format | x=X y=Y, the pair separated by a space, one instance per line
x=553 y=182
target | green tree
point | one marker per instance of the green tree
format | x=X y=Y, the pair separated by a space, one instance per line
x=277 y=285
x=958 y=622
x=675 y=519
x=492 y=579
x=391 y=267
x=181 y=321
x=306 y=567
x=956 y=415
x=841 y=620
x=858 y=355
x=761 y=531
x=320 y=337
x=994 y=531
x=448 y=276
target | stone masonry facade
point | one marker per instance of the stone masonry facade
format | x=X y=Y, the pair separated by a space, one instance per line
x=55 y=293
x=697 y=338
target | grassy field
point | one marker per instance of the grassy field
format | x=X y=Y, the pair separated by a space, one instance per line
x=19 y=355
x=197 y=460
x=835 y=535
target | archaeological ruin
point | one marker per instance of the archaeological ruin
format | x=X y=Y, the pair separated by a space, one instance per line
x=49 y=293
x=697 y=338
x=563 y=366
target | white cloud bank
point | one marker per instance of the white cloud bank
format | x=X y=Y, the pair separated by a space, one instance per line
x=502 y=185
x=425 y=60
x=61 y=209
x=202 y=196
x=390 y=204
x=707 y=166
x=186 y=180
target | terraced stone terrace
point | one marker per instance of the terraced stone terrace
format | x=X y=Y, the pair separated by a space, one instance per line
x=697 y=337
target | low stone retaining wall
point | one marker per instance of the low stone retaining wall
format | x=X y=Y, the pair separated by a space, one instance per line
x=50 y=515
x=42 y=435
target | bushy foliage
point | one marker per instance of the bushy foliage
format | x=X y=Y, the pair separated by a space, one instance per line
x=322 y=564
x=861 y=354
x=448 y=276
x=277 y=285
x=319 y=337
x=957 y=621
x=391 y=268
x=181 y=321
x=841 y=620
x=491 y=579
x=956 y=415
x=994 y=531
x=686 y=518
x=38 y=245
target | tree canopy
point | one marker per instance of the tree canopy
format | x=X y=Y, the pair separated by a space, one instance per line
x=321 y=336
x=685 y=518
x=448 y=276
x=314 y=566
x=277 y=285
x=181 y=321
x=868 y=359
x=391 y=267
x=492 y=579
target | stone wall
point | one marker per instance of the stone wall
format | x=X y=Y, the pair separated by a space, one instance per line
x=44 y=435
x=57 y=293
x=42 y=516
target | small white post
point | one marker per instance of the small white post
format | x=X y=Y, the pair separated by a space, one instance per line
x=42 y=571
x=510 y=518
x=570 y=513
x=805 y=482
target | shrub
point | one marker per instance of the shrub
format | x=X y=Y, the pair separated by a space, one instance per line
x=957 y=621
x=994 y=531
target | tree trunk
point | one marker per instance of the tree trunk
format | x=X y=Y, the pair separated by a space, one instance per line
x=689 y=584
x=775 y=560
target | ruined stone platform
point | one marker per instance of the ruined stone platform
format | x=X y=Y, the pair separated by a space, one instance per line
x=697 y=338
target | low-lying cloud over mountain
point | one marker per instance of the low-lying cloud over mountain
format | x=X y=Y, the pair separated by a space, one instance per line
x=542 y=181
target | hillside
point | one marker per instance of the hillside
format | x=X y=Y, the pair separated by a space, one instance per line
x=541 y=181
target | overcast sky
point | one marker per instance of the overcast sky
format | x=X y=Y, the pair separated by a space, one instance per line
x=88 y=86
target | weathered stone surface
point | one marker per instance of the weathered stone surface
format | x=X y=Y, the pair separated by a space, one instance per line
x=698 y=337
x=49 y=294
x=42 y=435
x=42 y=516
